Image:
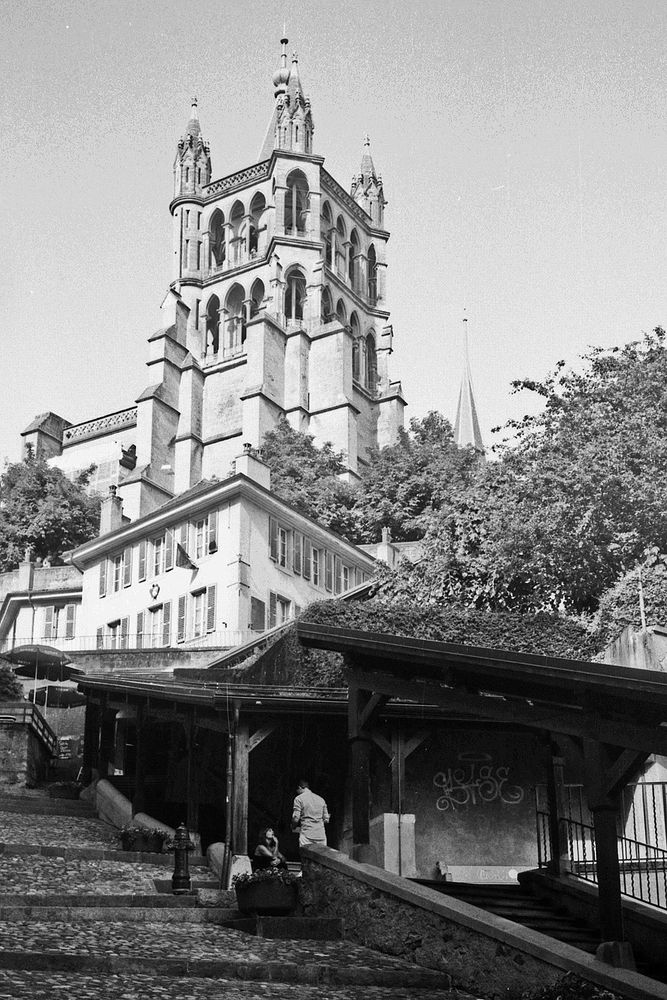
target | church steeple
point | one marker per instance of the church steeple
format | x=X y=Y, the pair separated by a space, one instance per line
x=367 y=188
x=466 y=425
x=291 y=126
x=192 y=166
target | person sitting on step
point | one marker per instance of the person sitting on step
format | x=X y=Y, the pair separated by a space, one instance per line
x=266 y=853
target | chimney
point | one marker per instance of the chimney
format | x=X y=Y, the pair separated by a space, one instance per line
x=26 y=570
x=250 y=465
x=111 y=512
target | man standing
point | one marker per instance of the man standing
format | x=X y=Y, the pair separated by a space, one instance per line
x=309 y=814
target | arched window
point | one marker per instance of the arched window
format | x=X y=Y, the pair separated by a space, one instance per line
x=257 y=209
x=257 y=294
x=372 y=276
x=326 y=226
x=296 y=204
x=237 y=236
x=341 y=312
x=371 y=364
x=217 y=239
x=212 y=326
x=353 y=264
x=341 y=235
x=295 y=296
x=235 y=323
x=356 y=363
x=327 y=306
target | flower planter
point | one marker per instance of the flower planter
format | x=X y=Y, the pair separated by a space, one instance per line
x=269 y=898
x=142 y=843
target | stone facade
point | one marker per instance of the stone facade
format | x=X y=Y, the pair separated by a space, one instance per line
x=278 y=307
x=24 y=757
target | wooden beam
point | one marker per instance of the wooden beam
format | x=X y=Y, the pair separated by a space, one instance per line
x=369 y=712
x=258 y=736
x=240 y=794
x=415 y=742
x=139 y=798
x=597 y=759
x=383 y=743
x=623 y=769
x=552 y=718
x=360 y=752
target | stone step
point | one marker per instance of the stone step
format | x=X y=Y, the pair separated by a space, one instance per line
x=224 y=916
x=99 y=854
x=76 y=900
x=47 y=807
x=289 y=928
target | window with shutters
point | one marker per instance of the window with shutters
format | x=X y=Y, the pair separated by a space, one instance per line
x=279 y=609
x=158 y=555
x=297 y=546
x=103 y=578
x=317 y=566
x=346 y=577
x=59 y=621
x=113 y=634
x=117 y=572
x=169 y=546
x=306 y=561
x=200 y=530
x=328 y=570
x=212 y=531
x=338 y=575
x=124 y=633
x=142 y=560
x=50 y=622
x=127 y=566
x=181 y=619
x=283 y=546
x=257 y=614
x=198 y=613
x=159 y=625
x=166 y=623
x=210 y=608
x=206 y=535
x=273 y=539
x=140 y=630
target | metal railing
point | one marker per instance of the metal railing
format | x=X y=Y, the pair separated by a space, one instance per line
x=642 y=863
x=25 y=714
x=221 y=638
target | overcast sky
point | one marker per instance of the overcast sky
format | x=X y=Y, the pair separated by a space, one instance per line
x=522 y=147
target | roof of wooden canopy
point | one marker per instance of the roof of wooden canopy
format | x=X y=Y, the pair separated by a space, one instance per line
x=618 y=705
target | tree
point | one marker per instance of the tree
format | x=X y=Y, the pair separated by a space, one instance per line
x=11 y=688
x=575 y=498
x=620 y=606
x=41 y=509
x=307 y=477
x=405 y=483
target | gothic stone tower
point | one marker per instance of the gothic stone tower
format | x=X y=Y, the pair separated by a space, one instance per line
x=277 y=307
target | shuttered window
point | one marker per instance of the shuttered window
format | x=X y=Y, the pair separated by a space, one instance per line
x=180 y=623
x=273 y=539
x=117 y=571
x=142 y=560
x=210 y=608
x=257 y=614
x=317 y=559
x=305 y=566
x=338 y=575
x=169 y=549
x=124 y=632
x=296 y=552
x=140 y=630
x=49 y=617
x=166 y=623
x=213 y=531
x=100 y=638
x=328 y=570
x=103 y=578
x=272 y=610
x=127 y=566
x=70 y=620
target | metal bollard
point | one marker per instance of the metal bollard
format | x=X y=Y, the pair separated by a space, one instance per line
x=180 y=880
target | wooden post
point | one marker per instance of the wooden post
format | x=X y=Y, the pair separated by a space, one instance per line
x=192 y=817
x=91 y=741
x=107 y=740
x=240 y=803
x=139 y=799
x=360 y=757
x=598 y=761
x=559 y=862
x=397 y=771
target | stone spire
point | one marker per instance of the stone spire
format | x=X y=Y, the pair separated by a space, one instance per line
x=291 y=126
x=466 y=425
x=192 y=166
x=367 y=188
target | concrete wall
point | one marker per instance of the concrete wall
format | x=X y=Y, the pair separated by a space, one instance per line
x=635 y=648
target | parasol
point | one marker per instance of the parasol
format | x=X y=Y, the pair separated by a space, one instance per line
x=41 y=662
x=52 y=696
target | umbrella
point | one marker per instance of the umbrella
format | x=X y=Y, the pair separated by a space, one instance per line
x=41 y=662
x=52 y=696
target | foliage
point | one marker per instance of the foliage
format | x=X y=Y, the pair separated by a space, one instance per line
x=275 y=876
x=11 y=688
x=405 y=483
x=307 y=477
x=541 y=634
x=569 y=987
x=574 y=499
x=133 y=836
x=41 y=509
x=619 y=606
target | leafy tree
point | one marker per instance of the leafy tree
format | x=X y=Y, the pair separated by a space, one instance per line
x=620 y=605
x=308 y=477
x=406 y=482
x=575 y=498
x=11 y=688
x=41 y=509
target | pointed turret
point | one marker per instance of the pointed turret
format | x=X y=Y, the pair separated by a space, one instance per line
x=291 y=126
x=466 y=425
x=367 y=188
x=192 y=166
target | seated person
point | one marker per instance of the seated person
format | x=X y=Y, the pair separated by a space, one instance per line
x=266 y=853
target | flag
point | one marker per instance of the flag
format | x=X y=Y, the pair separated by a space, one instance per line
x=183 y=559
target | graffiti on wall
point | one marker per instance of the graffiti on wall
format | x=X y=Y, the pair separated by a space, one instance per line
x=476 y=781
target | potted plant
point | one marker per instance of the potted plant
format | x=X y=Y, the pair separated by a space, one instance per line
x=270 y=892
x=143 y=839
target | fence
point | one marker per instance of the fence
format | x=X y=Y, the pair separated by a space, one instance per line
x=642 y=838
x=220 y=639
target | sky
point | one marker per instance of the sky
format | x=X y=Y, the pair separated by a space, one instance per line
x=521 y=144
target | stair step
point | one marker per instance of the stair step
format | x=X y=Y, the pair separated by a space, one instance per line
x=222 y=916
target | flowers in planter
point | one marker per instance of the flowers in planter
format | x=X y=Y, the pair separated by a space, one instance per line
x=143 y=838
x=274 y=876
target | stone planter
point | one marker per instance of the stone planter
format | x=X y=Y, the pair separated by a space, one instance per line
x=269 y=898
x=142 y=843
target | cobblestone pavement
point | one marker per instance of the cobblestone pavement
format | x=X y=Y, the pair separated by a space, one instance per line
x=57 y=831
x=31 y=874
x=61 y=986
x=211 y=942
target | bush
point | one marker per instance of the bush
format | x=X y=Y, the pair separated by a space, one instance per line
x=11 y=688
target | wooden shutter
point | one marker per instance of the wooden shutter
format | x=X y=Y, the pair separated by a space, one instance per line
x=296 y=552
x=210 y=609
x=180 y=620
x=127 y=566
x=140 y=629
x=100 y=638
x=124 y=632
x=338 y=575
x=272 y=610
x=169 y=549
x=48 y=622
x=328 y=570
x=103 y=578
x=213 y=531
x=142 y=559
x=257 y=614
x=166 y=623
x=70 y=620
x=183 y=535
x=305 y=568
x=273 y=539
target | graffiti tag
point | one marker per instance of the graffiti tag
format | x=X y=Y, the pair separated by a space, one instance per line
x=474 y=782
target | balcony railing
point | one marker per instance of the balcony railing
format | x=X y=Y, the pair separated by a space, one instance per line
x=220 y=639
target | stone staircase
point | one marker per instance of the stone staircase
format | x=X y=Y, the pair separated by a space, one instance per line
x=81 y=919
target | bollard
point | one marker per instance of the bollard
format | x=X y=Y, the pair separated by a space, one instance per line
x=180 y=880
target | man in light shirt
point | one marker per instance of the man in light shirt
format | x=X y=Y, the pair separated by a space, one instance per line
x=309 y=814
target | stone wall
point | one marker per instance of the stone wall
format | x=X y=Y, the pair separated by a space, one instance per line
x=23 y=758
